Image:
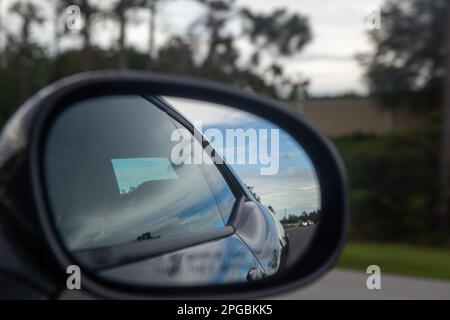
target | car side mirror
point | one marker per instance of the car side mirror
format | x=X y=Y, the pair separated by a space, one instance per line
x=163 y=186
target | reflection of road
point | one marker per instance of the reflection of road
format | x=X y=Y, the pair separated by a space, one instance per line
x=344 y=284
x=299 y=238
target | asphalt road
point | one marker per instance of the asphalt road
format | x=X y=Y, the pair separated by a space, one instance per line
x=344 y=285
x=299 y=238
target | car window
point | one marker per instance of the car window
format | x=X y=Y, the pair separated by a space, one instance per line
x=112 y=182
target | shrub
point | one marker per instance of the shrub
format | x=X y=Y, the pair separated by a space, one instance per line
x=392 y=182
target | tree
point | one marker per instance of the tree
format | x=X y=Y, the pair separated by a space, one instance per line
x=57 y=32
x=87 y=11
x=2 y=44
x=220 y=50
x=119 y=13
x=151 y=30
x=29 y=14
x=22 y=49
x=153 y=6
x=177 y=55
x=280 y=33
x=253 y=193
x=409 y=65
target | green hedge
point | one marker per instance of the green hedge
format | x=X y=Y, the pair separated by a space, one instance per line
x=393 y=187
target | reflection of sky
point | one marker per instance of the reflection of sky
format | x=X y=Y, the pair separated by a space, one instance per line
x=293 y=189
x=131 y=173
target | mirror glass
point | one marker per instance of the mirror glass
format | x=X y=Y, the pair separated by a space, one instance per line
x=138 y=196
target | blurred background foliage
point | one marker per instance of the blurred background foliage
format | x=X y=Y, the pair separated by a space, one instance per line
x=393 y=188
x=27 y=66
x=399 y=183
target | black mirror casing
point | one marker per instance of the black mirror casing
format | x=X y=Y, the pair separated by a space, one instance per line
x=26 y=210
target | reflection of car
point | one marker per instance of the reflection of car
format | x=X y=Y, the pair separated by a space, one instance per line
x=203 y=218
x=306 y=223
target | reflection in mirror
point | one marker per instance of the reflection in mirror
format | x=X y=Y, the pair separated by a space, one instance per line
x=273 y=165
x=138 y=197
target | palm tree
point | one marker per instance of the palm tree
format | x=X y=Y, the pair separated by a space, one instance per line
x=55 y=4
x=30 y=14
x=151 y=32
x=119 y=12
x=88 y=12
x=284 y=33
x=215 y=22
x=2 y=45
x=153 y=7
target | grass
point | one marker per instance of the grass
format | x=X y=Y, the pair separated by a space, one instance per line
x=397 y=259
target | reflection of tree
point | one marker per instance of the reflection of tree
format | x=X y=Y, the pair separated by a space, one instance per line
x=292 y=218
x=147 y=236
x=253 y=193
x=136 y=192
x=258 y=198
x=312 y=216
x=125 y=193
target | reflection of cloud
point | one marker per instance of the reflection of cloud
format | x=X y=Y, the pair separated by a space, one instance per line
x=291 y=193
x=176 y=204
x=310 y=187
x=289 y=171
x=293 y=154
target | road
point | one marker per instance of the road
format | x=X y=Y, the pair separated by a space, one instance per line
x=299 y=238
x=343 y=284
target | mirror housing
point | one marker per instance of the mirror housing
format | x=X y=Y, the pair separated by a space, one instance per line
x=21 y=176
